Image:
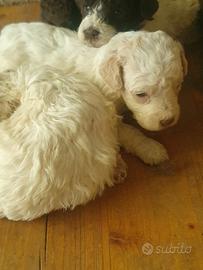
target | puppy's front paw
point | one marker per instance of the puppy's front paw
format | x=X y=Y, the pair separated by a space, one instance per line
x=153 y=153
x=120 y=171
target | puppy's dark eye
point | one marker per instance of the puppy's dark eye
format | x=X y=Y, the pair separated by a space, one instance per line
x=87 y=8
x=142 y=95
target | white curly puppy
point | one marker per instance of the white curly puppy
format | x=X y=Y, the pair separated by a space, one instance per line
x=139 y=69
x=59 y=147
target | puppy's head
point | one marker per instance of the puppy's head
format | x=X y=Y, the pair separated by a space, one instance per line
x=103 y=18
x=148 y=70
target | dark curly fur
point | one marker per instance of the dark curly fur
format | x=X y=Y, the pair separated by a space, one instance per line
x=121 y=14
x=60 y=12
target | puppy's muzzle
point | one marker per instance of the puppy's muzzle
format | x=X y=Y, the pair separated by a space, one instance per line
x=91 y=33
x=167 y=122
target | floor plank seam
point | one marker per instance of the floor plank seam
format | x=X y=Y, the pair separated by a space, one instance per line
x=40 y=262
x=45 y=240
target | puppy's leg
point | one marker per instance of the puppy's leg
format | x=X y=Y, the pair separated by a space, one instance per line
x=135 y=142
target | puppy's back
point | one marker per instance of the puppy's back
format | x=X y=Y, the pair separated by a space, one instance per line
x=58 y=149
x=24 y=43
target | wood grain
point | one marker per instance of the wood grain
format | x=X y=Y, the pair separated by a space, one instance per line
x=162 y=206
x=22 y=244
x=19 y=13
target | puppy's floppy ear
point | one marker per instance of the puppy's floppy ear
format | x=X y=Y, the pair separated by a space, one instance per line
x=111 y=71
x=183 y=59
x=148 y=8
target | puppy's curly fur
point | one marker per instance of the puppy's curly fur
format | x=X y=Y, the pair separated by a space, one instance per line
x=120 y=14
x=59 y=147
x=98 y=20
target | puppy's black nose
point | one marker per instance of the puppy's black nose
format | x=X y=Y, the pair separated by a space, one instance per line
x=167 y=122
x=91 y=33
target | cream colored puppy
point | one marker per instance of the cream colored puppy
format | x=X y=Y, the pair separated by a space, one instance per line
x=177 y=18
x=141 y=70
x=59 y=147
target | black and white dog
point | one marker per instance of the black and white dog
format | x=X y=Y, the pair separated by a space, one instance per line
x=98 y=20
x=102 y=19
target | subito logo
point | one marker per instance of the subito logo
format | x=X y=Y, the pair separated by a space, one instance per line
x=147 y=249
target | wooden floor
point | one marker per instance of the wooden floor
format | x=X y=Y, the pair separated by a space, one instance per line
x=133 y=226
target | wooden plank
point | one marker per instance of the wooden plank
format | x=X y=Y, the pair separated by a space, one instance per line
x=19 y=13
x=75 y=239
x=22 y=244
